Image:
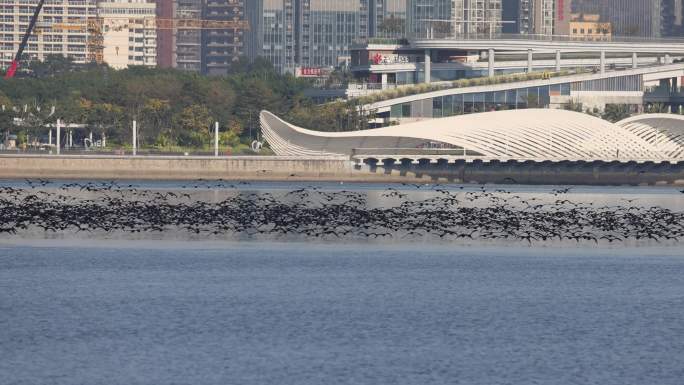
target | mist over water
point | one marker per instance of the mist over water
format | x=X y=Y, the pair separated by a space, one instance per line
x=173 y=307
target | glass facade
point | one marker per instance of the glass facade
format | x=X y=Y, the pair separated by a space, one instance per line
x=469 y=103
x=307 y=33
x=326 y=30
x=273 y=32
x=387 y=18
x=520 y=98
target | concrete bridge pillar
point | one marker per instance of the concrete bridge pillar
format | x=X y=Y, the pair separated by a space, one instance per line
x=558 y=60
x=530 y=58
x=428 y=66
x=491 y=62
x=635 y=60
x=603 y=62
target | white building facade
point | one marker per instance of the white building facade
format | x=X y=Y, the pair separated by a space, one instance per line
x=129 y=32
x=61 y=29
x=125 y=34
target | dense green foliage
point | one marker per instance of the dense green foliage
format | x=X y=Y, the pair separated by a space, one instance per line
x=172 y=108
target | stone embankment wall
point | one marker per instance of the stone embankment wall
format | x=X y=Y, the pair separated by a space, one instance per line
x=174 y=168
x=270 y=168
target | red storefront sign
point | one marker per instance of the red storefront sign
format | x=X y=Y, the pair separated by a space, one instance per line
x=311 y=71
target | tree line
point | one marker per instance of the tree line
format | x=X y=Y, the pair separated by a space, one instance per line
x=171 y=107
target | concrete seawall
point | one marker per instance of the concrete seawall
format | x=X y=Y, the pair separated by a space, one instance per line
x=177 y=168
x=336 y=169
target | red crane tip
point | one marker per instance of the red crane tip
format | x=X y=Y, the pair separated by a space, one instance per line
x=11 y=70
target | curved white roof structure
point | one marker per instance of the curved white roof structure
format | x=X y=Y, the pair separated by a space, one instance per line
x=534 y=134
x=664 y=131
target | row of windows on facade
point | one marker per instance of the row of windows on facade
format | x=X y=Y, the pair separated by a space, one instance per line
x=50 y=2
x=339 y=48
x=590 y=31
x=530 y=97
x=80 y=11
x=70 y=39
x=450 y=105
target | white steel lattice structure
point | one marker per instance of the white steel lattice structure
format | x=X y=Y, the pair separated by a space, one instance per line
x=664 y=131
x=533 y=134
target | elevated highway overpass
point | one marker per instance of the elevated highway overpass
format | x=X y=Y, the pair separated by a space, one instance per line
x=553 y=44
x=426 y=57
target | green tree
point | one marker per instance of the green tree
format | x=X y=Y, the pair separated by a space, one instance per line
x=53 y=65
x=657 y=108
x=573 y=106
x=616 y=112
x=6 y=114
x=192 y=126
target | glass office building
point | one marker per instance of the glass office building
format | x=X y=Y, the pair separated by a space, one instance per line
x=293 y=34
x=327 y=28
x=387 y=18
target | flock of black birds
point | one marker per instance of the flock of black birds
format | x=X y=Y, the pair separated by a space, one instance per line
x=446 y=213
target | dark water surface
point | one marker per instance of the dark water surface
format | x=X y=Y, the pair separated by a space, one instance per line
x=157 y=312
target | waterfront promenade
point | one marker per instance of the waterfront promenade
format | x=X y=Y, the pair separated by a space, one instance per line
x=339 y=169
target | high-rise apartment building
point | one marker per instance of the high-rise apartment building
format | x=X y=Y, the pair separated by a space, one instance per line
x=117 y=32
x=199 y=45
x=187 y=42
x=435 y=18
x=129 y=32
x=61 y=29
x=165 y=35
x=222 y=47
x=537 y=17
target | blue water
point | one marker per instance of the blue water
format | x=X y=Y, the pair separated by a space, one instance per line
x=156 y=312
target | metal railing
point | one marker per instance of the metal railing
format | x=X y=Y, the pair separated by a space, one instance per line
x=517 y=36
x=413 y=152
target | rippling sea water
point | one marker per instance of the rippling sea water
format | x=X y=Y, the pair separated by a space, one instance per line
x=173 y=309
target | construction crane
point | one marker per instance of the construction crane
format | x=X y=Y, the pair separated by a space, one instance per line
x=122 y=22
x=94 y=28
x=97 y=26
x=15 y=63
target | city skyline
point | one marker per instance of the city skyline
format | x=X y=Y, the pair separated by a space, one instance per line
x=296 y=34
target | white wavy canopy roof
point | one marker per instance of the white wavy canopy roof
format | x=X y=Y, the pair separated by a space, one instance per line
x=541 y=134
x=665 y=132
